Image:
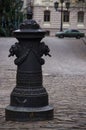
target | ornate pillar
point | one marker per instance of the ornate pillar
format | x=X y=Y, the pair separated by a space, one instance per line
x=29 y=99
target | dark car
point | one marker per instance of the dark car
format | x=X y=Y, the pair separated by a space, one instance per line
x=70 y=33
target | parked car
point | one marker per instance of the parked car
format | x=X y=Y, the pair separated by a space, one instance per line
x=70 y=33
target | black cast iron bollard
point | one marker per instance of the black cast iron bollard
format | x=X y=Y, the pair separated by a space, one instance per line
x=29 y=99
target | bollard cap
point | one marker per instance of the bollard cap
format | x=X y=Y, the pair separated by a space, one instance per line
x=29 y=23
x=29 y=29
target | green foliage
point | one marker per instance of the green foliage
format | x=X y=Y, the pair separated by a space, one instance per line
x=10 y=16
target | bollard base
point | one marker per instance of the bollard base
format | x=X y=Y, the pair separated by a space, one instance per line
x=23 y=114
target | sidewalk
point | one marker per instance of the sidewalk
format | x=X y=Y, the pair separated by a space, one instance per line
x=84 y=40
x=67 y=94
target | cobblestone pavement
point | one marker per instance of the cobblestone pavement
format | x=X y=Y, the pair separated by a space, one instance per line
x=67 y=94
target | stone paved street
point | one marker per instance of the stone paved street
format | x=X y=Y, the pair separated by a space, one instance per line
x=67 y=94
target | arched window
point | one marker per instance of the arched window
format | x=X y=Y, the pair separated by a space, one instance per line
x=46 y=16
x=80 y=17
x=66 y=16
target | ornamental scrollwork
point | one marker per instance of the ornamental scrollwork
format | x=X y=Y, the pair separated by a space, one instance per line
x=22 y=52
x=16 y=50
x=43 y=50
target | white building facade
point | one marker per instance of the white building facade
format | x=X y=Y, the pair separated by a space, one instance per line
x=50 y=20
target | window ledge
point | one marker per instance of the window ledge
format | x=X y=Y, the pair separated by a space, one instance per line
x=46 y=24
x=80 y=25
x=66 y=24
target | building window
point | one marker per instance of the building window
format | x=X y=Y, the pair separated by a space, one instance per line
x=66 y=15
x=80 y=17
x=46 y=16
x=81 y=0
